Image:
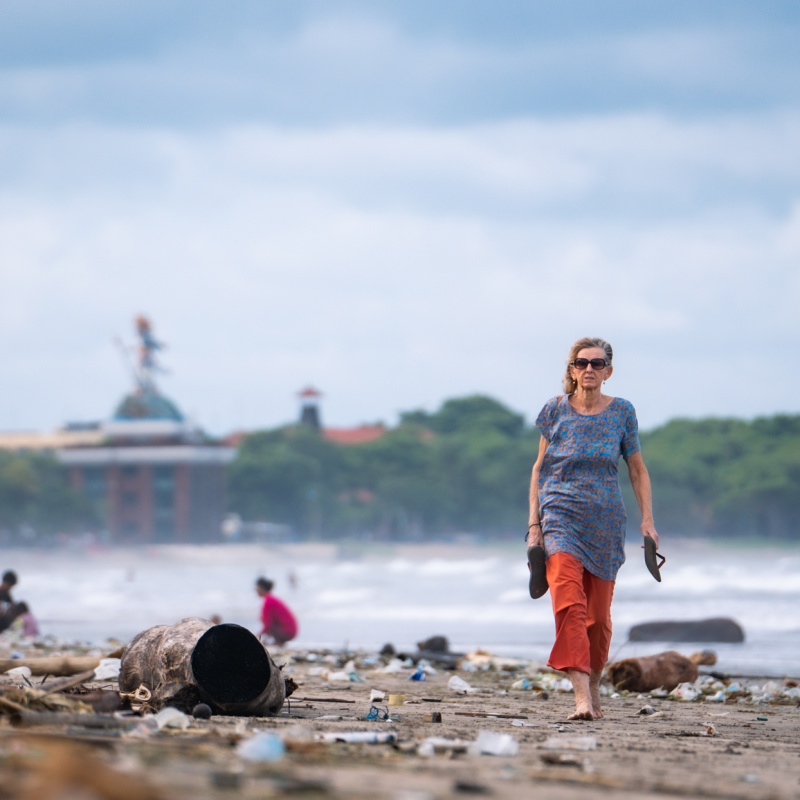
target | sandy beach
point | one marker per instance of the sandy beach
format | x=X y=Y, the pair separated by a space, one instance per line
x=742 y=748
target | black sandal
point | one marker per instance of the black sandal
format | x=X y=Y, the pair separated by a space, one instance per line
x=651 y=557
x=537 y=585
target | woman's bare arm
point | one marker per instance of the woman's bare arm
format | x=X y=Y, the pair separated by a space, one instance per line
x=535 y=533
x=640 y=481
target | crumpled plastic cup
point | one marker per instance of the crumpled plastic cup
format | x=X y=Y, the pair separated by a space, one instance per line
x=263 y=746
x=108 y=669
x=460 y=686
x=490 y=743
x=170 y=717
x=20 y=672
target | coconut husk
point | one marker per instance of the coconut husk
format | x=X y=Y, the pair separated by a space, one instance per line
x=644 y=674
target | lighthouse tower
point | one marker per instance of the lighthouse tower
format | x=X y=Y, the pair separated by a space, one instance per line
x=309 y=407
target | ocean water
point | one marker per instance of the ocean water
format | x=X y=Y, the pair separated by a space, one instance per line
x=477 y=596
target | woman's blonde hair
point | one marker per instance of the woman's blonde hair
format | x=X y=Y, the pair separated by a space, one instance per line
x=582 y=344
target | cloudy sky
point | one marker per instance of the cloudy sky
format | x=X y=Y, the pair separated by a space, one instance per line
x=398 y=201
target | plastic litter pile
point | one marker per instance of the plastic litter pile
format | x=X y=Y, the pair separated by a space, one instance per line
x=712 y=690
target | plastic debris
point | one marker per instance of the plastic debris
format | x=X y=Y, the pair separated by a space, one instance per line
x=419 y=675
x=376 y=696
x=263 y=746
x=20 y=672
x=361 y=737
x=393 y=667
x=437 y=745
x=480 y=659
x=582 y=743
x=378 y=713
x=108 y=669
x=685 y=691
x=336 y=676
x=170 y=717
x=397 y=699
x=460 y=686
x=646 y=711
x=521 y=684
x=490 y=743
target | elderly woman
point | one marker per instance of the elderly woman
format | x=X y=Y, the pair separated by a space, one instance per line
x=576 y=534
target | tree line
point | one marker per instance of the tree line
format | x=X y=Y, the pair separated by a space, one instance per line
x=466 y=468
x=463 y=468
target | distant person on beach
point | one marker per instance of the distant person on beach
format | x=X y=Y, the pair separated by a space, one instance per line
x=24 y=622
x=278 y=624
x=9 y=582
x=576 y=533
x=10 y=614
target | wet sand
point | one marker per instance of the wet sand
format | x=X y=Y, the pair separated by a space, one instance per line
x=684 y=749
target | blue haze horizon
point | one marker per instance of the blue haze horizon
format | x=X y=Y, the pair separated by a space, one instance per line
x=475 y=595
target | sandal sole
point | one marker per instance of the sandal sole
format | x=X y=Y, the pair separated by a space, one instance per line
x=651 y=557
x=537 y=585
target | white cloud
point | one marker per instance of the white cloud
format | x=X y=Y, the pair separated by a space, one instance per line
x=395 y=267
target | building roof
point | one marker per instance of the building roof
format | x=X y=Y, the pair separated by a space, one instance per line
x=359 y=435
x=54 y=440
x=147 y=405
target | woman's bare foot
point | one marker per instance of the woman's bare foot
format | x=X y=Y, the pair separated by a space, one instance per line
x=594 y=693
x=583 y=697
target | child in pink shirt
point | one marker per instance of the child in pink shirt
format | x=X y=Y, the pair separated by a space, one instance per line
x=278 y=624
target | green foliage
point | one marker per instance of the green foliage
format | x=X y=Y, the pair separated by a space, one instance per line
x=463 y=468
x=724 y=477
x=35 y=492
x=466 y=467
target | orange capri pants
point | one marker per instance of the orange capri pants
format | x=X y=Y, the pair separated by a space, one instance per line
x=582 y=608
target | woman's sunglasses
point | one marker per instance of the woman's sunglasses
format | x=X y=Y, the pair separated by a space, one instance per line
x=597 y=363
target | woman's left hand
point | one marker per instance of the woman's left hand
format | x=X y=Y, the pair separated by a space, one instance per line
x=649 y=529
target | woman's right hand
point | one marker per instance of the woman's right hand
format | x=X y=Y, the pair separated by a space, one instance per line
x=535 y=536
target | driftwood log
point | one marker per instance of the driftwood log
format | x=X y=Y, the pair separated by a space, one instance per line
x=644 y=674
x=52 y=665
x=195 y=661
x=717 y=629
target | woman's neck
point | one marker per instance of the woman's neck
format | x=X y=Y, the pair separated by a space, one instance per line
x=589 y=401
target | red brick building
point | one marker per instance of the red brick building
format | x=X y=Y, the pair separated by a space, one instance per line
x=154 y=475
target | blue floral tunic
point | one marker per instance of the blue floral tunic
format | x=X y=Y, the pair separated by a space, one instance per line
x=580 y=501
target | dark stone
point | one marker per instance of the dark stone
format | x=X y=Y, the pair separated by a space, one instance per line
x=436 y=644
x=201 y=711
x=717 y=629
